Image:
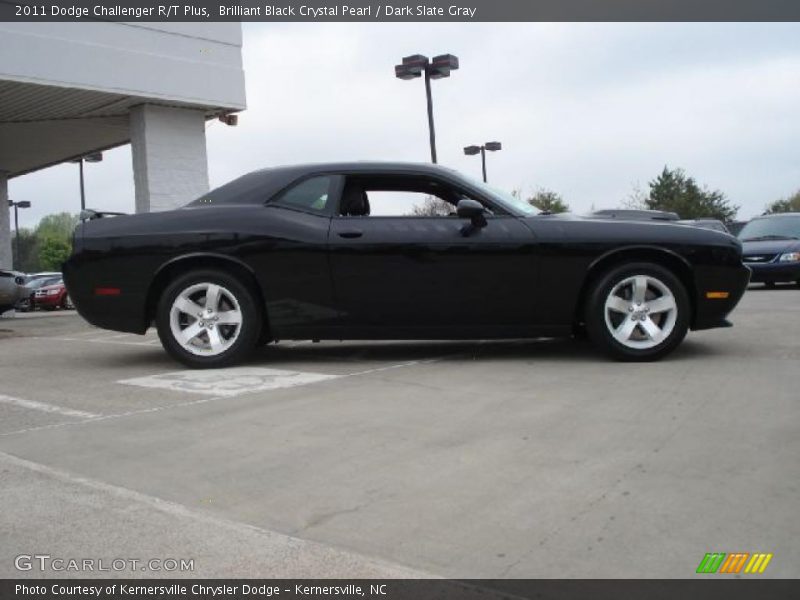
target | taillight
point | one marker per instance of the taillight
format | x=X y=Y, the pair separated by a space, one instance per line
x=107 y=291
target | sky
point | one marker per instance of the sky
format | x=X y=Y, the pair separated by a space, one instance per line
x=589 y=110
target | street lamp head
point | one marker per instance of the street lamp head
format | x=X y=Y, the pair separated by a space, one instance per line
x=472 y=150
x=24 y=204
x=493 y=146
x=403 y=72
x=411 y=67
x=419 y=60
x=92 y=157
x=442 y=65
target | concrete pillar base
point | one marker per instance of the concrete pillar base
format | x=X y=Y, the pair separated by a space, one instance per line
x=170 y=166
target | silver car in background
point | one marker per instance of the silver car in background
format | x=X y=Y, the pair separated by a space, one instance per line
x=12 y=289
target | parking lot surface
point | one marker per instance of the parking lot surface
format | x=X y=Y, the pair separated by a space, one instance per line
x=478 y=459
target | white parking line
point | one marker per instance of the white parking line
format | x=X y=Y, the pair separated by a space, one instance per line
x=44 y=407
x=102 y=340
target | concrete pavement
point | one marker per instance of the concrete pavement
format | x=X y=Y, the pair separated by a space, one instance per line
x=496 y=459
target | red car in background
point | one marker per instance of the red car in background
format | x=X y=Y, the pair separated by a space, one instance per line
x=51 y=297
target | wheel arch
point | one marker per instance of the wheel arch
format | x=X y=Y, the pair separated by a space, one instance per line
x=202 y=260
x=664 y=257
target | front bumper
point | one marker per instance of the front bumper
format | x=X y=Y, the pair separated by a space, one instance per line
x=47 y=301
x=775 y=272
x=710 y=310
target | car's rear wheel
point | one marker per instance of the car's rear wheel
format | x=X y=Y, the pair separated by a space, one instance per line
x=638 y=312
x=208 y=319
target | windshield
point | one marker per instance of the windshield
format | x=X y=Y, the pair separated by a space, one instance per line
x=773 y=228
x=40 y=281
x=503 y=198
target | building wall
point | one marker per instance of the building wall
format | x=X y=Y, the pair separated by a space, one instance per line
x=67 y=89
x=194 y=63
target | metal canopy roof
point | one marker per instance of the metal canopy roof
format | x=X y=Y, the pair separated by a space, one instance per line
x=42 y=125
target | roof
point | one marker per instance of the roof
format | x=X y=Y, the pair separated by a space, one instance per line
x=778 y=215
x=254 y=187
x=360 y=166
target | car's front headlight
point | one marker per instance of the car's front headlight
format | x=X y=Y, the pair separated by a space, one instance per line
x=790 y=257
x=52 y=292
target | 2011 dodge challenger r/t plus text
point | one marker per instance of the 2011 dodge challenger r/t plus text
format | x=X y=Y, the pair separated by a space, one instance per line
x=394 y=251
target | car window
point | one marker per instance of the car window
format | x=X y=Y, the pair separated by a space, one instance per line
x=407 y=204
x=310 y=194
x=399 y=196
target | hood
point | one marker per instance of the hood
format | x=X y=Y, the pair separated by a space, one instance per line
x=771 y=247
x=592 y=229
x=55 y=286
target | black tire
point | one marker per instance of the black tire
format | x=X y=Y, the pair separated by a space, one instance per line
x=240 y=342
x=770 y=285
x=639 y=346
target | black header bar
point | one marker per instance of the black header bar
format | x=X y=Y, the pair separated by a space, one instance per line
x=399 y=11
x=702 y=588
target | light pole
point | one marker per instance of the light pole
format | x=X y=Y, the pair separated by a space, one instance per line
x=17 y=206
x=490 y=146
x=436 y=68
x=93 y=157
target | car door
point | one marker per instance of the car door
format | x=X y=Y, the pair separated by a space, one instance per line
x=290 y=259
x=404 y=264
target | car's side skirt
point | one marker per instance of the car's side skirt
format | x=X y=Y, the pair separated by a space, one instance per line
x=424 y=333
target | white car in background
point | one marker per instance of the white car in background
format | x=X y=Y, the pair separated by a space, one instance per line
x=12 y=289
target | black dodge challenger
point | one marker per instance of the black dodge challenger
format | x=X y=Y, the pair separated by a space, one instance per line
x=394 y=251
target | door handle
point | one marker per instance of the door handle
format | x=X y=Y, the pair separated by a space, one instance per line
x=351 y=234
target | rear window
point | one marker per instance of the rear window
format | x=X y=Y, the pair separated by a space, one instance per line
x=312 y=194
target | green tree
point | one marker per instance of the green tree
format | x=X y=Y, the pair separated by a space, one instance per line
x=548 y=201
x=53 y=251
x=675 y=191
x=790 y=204
x=60 y=225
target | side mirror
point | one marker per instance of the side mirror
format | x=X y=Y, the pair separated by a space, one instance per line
x=469 y=209
x=472 y=210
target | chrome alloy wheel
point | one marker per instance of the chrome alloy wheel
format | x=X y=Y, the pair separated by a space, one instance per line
x=205 y=319
x=640 y=312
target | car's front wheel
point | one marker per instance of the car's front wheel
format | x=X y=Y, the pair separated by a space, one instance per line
x=638 y=312
x=208 y=319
